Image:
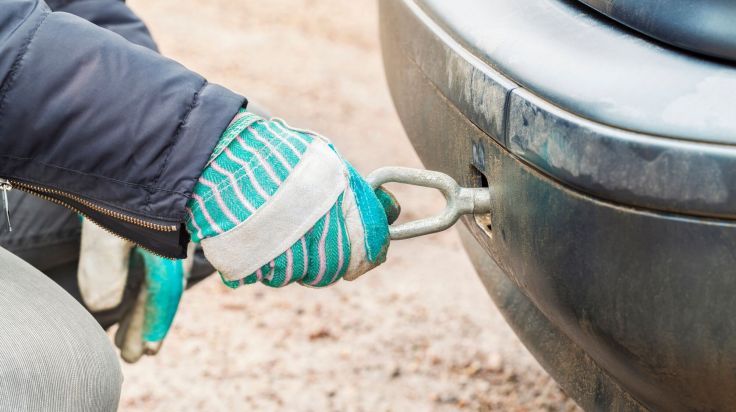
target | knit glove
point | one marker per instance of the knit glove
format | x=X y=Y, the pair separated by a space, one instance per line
x=279 y=205
x=102 y=274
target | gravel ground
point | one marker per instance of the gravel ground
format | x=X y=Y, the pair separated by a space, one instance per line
x=419 y=333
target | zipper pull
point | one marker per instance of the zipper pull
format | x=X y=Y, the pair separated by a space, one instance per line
x=5 y=186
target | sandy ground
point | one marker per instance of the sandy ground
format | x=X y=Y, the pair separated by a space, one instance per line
x=417 y=334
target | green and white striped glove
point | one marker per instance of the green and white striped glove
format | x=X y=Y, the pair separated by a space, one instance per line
x=279 y=205
x=104 y=266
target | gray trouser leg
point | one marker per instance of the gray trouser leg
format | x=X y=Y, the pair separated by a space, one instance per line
x=53 y=355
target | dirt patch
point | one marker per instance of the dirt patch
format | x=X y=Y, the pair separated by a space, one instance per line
x=419 y=333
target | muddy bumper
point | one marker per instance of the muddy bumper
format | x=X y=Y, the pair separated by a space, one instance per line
x=611 y=245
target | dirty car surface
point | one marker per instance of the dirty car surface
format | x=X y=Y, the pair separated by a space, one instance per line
x=611 y=160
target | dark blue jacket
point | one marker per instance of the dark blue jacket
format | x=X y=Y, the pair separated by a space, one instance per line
x=101 y=125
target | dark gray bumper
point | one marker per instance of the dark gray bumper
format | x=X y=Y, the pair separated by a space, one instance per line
x=632 y=304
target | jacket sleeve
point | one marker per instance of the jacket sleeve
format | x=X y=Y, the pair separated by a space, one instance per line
x=113 y=15
x=111 y=125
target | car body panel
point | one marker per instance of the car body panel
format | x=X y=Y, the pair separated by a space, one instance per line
x=701 y=26
x=569 y=55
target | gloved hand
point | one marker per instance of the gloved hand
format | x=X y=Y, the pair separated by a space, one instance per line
x=279 y=205
x=102 y=274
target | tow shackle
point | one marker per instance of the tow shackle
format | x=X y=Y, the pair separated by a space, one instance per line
x=460 y=200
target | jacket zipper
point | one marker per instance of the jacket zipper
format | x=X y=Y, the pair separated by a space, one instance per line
x=105 y=211
x=5 y=186
x=44 y=193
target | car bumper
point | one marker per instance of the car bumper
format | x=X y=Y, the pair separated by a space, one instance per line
x=627 y=303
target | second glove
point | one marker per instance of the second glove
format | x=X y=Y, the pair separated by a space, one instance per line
x=105 y=263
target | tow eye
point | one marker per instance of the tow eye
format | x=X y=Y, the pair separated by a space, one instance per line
x=460 y=200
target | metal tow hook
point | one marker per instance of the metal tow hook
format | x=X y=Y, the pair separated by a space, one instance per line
x=460 y=200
